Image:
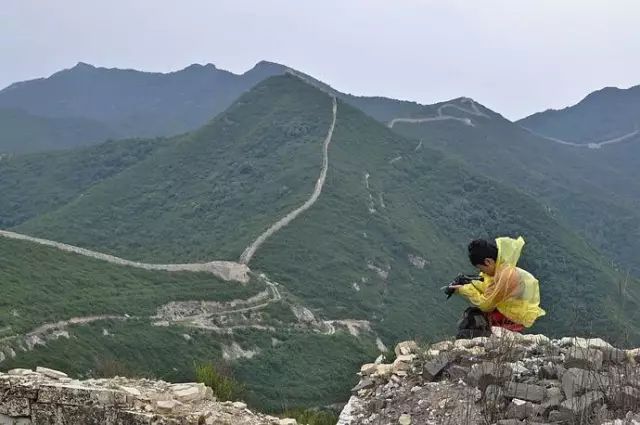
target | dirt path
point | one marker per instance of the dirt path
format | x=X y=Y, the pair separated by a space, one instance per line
x=441 y=116
x=227 y=270
x=248 y=253
x=592 y=145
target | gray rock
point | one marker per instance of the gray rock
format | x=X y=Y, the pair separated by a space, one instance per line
x=550 y=371
x=549 y=383
x=627 y=398
x=579 y=408
x=493 y=392
x=554 y=396
x=403 y=362
x=583 y=358
x=8 y=420
x=487 y=373
x=527 y=392
x=15 y=406
x=442 y=346
x=494 y=399
x=556 y=416
x=433 y=367
x=377 y=405
x=44 y=398
x=188 y=392
x=575 y=381
x=457 y=372
x=613 y=355
x=509 y=422
x=404 y=419
x=405 y=348
x=51 y=373
x=552 y=401
x=75 y=395
x=167 y=406
x=21 y=372
x=520 y=409
x=363 y=384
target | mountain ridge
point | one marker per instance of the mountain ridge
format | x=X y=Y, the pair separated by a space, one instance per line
x=379 y=196
x=605 y=113
x=388 y=229
x=131 y=111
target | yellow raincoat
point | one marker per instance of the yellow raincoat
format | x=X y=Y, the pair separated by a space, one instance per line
x=514 y=292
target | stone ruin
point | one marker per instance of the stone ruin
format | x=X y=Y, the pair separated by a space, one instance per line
x=47 y=396
x=504 y=379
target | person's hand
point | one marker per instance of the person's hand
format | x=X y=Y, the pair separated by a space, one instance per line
x=449 y=290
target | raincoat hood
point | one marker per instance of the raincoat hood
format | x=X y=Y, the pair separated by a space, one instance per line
x=509 y=251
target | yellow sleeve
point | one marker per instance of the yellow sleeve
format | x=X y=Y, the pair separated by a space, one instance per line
x=474 y=291
x=487 y=294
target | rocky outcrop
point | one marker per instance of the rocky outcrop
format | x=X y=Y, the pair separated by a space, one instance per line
x=47 y=396
x=505 y=379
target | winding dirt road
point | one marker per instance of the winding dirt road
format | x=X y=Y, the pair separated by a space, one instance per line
x=248 y=253
x=441 y=116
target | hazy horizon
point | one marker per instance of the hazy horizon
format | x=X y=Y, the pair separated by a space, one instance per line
x=516 y=59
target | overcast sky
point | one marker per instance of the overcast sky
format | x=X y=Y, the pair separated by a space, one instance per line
x=514 y=56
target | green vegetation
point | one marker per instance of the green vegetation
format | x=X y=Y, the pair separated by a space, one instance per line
x=595 y=192
x=92 y=101
x=21 y=132
x=133 y=346
x=312 y=416
x=418 y=203
x=206 y=195
x=42 y=284
x=211 y=193
x=35 y=184
x=304 y=370
x=603 y=114
x=433 y=206
x=132 y=103
x=224 y=387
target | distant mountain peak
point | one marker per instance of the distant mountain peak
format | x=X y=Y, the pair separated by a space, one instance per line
x=266 y=67
x=603 y=115
x=610 y=91
x=83 y=65
x=199 y=67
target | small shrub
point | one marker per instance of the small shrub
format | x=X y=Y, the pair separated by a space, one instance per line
x=220 y=380
x=109 y=367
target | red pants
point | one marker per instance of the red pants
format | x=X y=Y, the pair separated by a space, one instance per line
x=498 y=319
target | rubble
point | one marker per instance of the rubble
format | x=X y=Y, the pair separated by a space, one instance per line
x=507 y=379
x=48 y=396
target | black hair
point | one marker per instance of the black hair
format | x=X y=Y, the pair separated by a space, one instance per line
x=479 y=249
